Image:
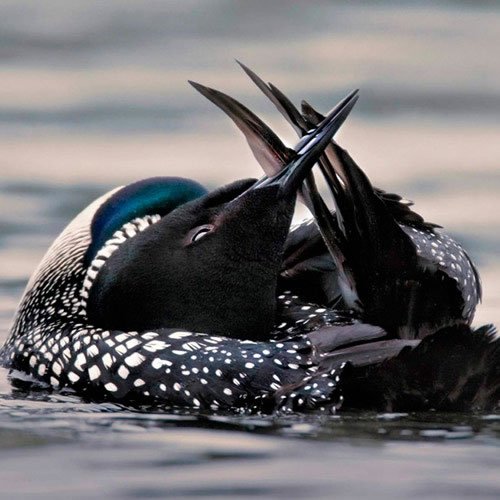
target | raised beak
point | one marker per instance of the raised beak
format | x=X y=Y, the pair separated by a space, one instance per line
x=302 y=123
x=307 y=152
x=330 y=227
x=280 y=163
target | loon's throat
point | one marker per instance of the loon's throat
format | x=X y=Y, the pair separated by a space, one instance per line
x=126 y=232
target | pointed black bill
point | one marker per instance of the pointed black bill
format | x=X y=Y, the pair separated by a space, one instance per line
x=301 y=123
x=309 y=149
x=268 y=149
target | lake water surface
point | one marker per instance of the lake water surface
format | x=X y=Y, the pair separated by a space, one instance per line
x=94 y=94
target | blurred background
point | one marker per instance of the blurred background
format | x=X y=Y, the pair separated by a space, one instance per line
x=94 y=94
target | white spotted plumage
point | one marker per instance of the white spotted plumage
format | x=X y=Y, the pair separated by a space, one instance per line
x=52 y=340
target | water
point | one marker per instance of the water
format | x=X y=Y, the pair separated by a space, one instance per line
x=94 y=95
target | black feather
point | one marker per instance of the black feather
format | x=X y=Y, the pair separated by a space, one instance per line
x=455 y=369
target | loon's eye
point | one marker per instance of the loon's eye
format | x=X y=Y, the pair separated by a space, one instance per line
x=198 y=232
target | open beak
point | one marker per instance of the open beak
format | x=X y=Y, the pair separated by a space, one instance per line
x=330 y=227
x=302 y=123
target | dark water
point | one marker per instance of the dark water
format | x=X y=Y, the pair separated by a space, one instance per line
x=93 y=95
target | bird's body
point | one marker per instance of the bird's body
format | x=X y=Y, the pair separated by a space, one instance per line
x=53 y=340
x=160 y=292
x=163 y=293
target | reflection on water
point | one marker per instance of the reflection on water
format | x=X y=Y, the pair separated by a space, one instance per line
x=157 y=454
x=94 y=94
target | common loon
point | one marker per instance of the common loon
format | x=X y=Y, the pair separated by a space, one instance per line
x=160 y=292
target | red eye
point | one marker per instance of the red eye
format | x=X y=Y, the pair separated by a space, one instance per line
x=199 y=232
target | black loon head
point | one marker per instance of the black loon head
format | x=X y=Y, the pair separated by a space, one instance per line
x=209 y=264
x=203 y=262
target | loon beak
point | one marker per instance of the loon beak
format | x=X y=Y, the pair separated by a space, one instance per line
x=274 y=156
x=266 y=146
x=302 y=123
x=308 y=150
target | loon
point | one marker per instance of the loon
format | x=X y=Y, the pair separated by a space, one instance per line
x=161 y=292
